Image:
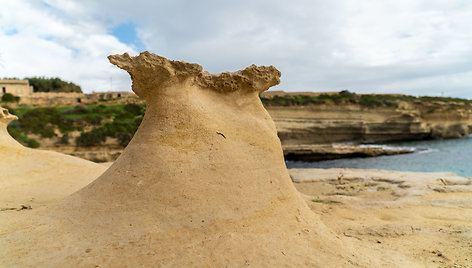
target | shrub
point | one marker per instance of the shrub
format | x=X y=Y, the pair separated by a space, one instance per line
x=347 y=96
x=15 y=133
x=369 y=101
x=22 y=138
x=66 y=125
x=64 y=139
x=134 y=109
x=123 y=137
x=7 y=97
x=94 y=119
x=40 y=121
x=91 y=138
x=32 y=143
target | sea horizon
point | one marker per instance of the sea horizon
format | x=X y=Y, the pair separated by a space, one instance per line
x=448 y=155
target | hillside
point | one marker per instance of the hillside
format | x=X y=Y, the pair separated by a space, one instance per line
x=69 y=129
x=100 y=131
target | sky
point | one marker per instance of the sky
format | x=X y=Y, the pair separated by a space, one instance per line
x=415 y=47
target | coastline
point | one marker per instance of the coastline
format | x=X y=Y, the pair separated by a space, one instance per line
x=452 y=155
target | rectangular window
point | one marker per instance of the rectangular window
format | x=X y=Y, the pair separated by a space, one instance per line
x=4 y=90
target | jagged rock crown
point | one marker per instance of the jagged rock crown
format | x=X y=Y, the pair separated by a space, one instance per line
x=5 y=116
x=150 y=72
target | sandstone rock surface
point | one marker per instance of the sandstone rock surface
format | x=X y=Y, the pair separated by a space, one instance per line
x=31 y=178
x=202 y=183
x=328 y=123
x=424 y=217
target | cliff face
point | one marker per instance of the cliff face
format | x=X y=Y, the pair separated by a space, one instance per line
x=325 y=123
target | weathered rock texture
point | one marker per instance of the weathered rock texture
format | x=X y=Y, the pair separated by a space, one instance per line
x=422 y=217
x=203 y=183
x=326 y=123
x=30 y=178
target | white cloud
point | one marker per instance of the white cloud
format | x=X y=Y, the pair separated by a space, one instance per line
x=418 y=47
x=48 y=44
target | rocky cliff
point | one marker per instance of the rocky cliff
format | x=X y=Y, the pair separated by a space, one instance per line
x=352 y=122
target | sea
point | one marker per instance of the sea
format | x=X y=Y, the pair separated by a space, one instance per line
x=454 y=155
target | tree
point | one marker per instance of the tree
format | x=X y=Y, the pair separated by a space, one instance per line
x=42 y=84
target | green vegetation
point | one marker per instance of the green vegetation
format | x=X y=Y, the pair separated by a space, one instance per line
x=94 y=122
x=22 y=138
x=7 y=97
x=368 y=100
x=42 y=84
x=92 y=125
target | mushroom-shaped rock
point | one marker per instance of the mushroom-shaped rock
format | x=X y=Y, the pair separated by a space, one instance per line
x=30 y=177
x=202 y=183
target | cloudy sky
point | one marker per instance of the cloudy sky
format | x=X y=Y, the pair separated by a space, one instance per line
x=391 y=46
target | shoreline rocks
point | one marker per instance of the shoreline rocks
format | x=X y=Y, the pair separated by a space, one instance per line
x=317 y=152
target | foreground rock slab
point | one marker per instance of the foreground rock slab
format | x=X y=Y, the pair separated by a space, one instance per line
x=31 y=178
x=426 y=217
x=202 y=183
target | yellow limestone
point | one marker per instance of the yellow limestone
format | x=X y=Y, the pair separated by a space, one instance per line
x=203 y=183
x=31 y=178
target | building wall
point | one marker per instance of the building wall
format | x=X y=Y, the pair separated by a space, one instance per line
x=109 y=95
x=54 y=98
x=22 y=89
x=19 y=88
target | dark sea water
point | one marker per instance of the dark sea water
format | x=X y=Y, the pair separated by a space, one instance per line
x=435 y=155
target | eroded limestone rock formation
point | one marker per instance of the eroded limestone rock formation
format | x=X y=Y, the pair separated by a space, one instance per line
x=202 y=183
x=6 y=141
x=30 y=178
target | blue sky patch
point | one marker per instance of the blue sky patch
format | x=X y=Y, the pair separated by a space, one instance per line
x=44 y=3
x=11 y=31
x=405 y=35
x=126 y=33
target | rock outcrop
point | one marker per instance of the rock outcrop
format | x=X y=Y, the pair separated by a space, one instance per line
x=202 y=183
x=6 y=141
x=31 y=178
x=316 y=152
x=424 y=218
x=327 y=123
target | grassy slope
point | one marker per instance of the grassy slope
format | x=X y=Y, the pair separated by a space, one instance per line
x=120 y=121
x=95 y=122
x=348 y=97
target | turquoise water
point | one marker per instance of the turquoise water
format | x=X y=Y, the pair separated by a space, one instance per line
x=435 y=155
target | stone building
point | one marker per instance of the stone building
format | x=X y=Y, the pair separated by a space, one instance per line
x=16 y=87
x=54 y=98
x=110 y=95
x=22 y=89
